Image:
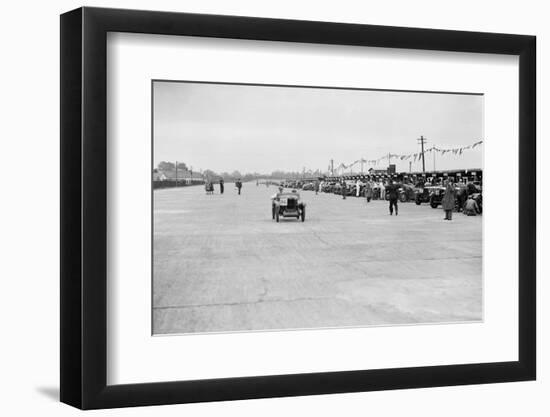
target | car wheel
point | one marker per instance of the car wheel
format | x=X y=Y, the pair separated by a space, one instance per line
x=433 y=204
x=418 y=201
x=403 y=198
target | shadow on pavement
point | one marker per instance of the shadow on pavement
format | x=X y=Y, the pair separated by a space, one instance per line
x=50 y=392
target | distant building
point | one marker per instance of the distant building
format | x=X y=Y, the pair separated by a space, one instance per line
x=373 y=171
x=184 y=176
x=159 y=175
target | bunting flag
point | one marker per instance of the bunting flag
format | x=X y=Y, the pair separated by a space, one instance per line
x=415 y=156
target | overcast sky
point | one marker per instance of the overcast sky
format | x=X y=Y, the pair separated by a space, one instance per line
x=262 y=129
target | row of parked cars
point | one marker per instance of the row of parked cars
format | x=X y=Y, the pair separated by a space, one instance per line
x=433 y=194
x=297 y=184
x=420 y=193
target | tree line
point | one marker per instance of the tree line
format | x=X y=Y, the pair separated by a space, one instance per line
x=234 y=175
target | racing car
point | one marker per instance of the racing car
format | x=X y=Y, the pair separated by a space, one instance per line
x=285 y=204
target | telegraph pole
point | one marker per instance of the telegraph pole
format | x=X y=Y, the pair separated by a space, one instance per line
x=422 y=141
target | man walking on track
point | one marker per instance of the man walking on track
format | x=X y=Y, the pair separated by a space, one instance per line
x=221 y=185
x=368 y=191
x=239 y=185
x=392 y=191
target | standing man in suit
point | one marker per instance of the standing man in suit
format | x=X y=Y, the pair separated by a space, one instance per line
x=448 y=201
x=368 y=190
x=239 y=185
x=392 y=190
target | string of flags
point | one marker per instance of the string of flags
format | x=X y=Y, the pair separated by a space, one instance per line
x=414 y=156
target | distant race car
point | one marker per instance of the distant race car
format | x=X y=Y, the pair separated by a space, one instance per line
x=287 y=205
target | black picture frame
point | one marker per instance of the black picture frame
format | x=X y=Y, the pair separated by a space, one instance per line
x=84 y=179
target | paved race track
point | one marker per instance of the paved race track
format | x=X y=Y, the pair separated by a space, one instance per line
x=222 y=264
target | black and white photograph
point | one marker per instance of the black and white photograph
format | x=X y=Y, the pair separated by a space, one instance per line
x=297 y=208
x=283 y=207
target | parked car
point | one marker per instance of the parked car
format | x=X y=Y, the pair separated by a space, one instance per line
x=405 y=193
x=328 y=187
x=338 y=188
x=436 y=196
x=473 y=187
x=423 y=194
x=308 y=186
x=353 y=190
x=376 y=192
x=287 y=205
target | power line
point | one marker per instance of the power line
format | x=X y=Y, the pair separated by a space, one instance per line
x=422 y=141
